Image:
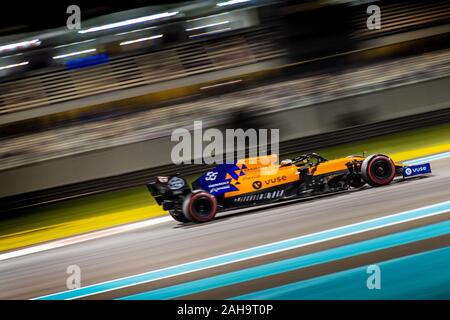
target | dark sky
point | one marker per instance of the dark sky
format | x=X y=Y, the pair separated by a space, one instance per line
x=18 y=16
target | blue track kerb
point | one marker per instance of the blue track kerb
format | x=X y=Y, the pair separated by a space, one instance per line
x=420 y=276
x=250 y=253
x=287 y=265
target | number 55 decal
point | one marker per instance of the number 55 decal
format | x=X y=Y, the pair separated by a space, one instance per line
x=211 y=176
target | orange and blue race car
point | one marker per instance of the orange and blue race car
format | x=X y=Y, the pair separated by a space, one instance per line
x=260 y=180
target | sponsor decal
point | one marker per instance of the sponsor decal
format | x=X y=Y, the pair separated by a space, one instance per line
x=257 y=185
x=175 y=183
x=260 y=196
x=218 y=184
x=275 y=180
x=410 y=171
x=211 y=176
x=216 y=187
x=220 y=180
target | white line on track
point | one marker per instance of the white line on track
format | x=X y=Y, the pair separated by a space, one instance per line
x=253 y=252
x=134 y=226
x=434 y=157
x=84 y=237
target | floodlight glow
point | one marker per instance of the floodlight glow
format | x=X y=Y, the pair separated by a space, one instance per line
x=13 y=55
x=140 y=40
x=18 y=45
x=210 y=32
x=228 y=3
x=129 y=22
x=207 y=17
x=208 y=25
x=14 y=65
x=133 y=31
x=74 y=53
x=74 y=43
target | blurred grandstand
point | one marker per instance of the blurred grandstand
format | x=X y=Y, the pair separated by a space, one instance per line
x=65 y=93
x=148 y=124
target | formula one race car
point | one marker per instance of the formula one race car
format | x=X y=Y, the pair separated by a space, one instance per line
x=259 y=180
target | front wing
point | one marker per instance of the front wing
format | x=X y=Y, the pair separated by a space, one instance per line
x=415 y=170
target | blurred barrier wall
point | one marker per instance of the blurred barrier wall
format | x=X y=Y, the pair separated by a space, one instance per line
x=295 y=123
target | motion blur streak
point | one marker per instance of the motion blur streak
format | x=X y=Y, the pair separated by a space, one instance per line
x=295 y=263
x=43 y=273
x=428 y=159
x=134 y=226
x=256 y=252
x=419 y=276
x=14 y=65
x=129 y=22
x=86 y=126
x=83 y=237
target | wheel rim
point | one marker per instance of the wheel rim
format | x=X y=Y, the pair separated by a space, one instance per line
x=381 y=170
x=202 y=206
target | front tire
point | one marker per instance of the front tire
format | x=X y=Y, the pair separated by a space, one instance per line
x=378 y=170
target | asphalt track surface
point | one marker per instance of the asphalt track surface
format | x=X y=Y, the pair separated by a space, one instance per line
x=169 y=243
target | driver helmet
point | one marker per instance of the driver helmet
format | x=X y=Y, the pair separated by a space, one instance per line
x=286 y=162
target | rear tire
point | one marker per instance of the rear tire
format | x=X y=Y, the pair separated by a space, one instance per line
x=178 y=216
x=200 y=207
x=378 y=170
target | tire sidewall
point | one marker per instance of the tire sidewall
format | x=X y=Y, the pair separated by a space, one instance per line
x=178 y=216
x=188 y=207
x=369 y=177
